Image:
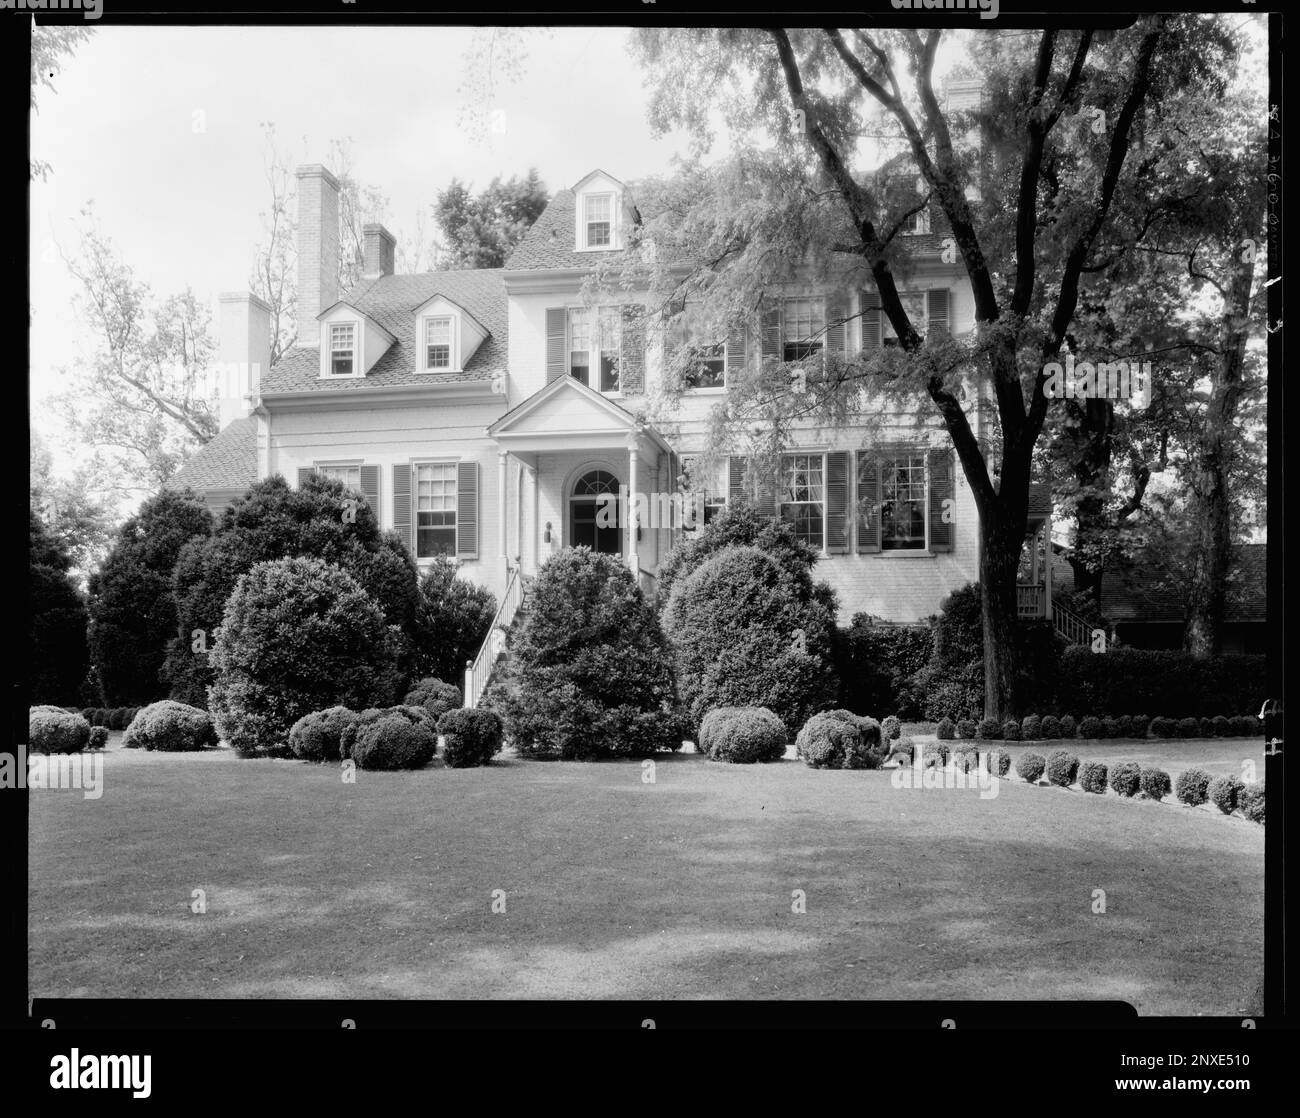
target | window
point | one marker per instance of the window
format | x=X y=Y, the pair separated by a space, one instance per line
x=348 y=475
x=595 y=337
x=803 y=328
x=435 y=509
x=914 y=304
x=703 y=363
x=343 y=354
x=437 y=343
x=919 y=222
x=803 y=496
x=902 y=503
x=599 y=220
x=695 y=489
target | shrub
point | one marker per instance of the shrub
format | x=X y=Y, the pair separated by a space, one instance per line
x=999 y=762
x=747 y=633
x=469 y=737
x=1140 y=723
x=87 y=713
x=1010 y=730
x=1090 y=727
x=935 y=755
x=299 y=635
x=891 y=728
x=967 y=729
x=98 y=737
x=394 y=742
x=435 y=696
x=1163 y=727
x=1110 y=728
x=452 y=620
x=52 y=730
x=318 y=736
x=1221 y=726
x=1029 y=767
x=170 y=727
x=1154 y=783
x=1031 y=729
x=827 y=742
x=55 y=655
x=352 y=727
x=1191 y=786
x=1069 y=728
x=1092 y=777
x=743 y=735
x=966 y=759
x=1246 y=726
x=1206 y=727
x=1251 y=801
x=875 y=664
x=1050 y=728
x=945 y=730
x=1062 y=768
x=1126 y=778
x=1189 y=727
x=1223 y=791
x=1129 y=680
x=903 y=751
x=1123 y=726
x=117 y=718
x=990 y=729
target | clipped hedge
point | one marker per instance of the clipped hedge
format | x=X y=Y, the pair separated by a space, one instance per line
x=967 y=728
x=469 y=737
x=1050 y=728
x=999 y=762
x=1010 y=730
x=1154 y=783
x=1030 y=766
x=990 y=729
x=54 y=730
x=1126 y=778
x=1069 y=727
x=1223 y=792
x=966 y=759
x=1129 y=680
x=435 y=696
x=98 y=737
x=828 y=741
x=742 y=735
x=946 y=730
x=891 y=728
x=393 y=742
x=1251 y=801
x=1092 y=777
x=170 y=727
x=318 y=736
x=1191 y=786
x=416 y=716
x=1091 y=728
x=935 y=756
x=1031 y=728
x=1062 y=768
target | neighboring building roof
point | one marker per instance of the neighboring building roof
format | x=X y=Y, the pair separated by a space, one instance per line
x=229 y=461
x=1142 y=591
x=549 y=243
x=392 y=301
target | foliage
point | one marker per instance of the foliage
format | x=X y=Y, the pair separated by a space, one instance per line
x=876 y=664
x=742 y=735
x=318 y=736
x=435 y=696
x=56 y=656
x=393 y=742
x=452 y=620
x=470 y=737
x=51 y=730
x=1154 y=783
x=170 y=727
x=482 y=230
x=1029 y=767
x=1062 y=768
x=1190 y=788
x=1092 y=777
x=1125 y=778
x=1223 y=792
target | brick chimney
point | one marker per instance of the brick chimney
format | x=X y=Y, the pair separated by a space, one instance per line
x=318 y=248
x=378 y=252
x=243 y=352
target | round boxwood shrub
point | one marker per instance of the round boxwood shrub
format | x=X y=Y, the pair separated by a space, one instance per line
x=1010 y=730
x=828 y=742
x=891 y=728
x=935 y=756
x=1031 y=729
x=1206 y=727
x=1069 y=727
x=1191 y=786
x=1092 y=777
x=1029 y=767
x=1189 y=728
x=1050 y=728
x=966 y=759
x=54 y=730
x=299 y=635
x=1251 y=801
x=744 y=735
x=990 y=729
x=394 y=742
x=117 y=718
x=903 y=751
x=98 y=737
x=86 y=713
x=1245 y=726
x=170 y=727
x=1110 y=728
x=435 y=696
x=1090 y=727
x=1223 y=792
x=352 y=727
x=946 y=730
x=1139 y=723
x=1126 y=778
x=469 y=737
x=967 y=728
x=318 y=736
x=1154 y=783
x=999 y=762
x=1062 y=768
x=1163 y=727
x=1123 y=726
x=1222 y=726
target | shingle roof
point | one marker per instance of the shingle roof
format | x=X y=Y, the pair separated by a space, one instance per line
x=1146 y=592
x=391 y=301
x=549 y=243
x=229 y=461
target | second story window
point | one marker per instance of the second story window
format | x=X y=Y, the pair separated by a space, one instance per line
x=343 y=353
x=803 y=328
x=902 y=503
x=598 y=221
x=595 y=338
x=914 y=304
x=437 y=343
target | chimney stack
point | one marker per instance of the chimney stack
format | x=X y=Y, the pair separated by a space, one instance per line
x=243 y=351
x=379 y=248
x=318 y=248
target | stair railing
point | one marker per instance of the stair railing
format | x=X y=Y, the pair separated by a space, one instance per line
x=479 y=670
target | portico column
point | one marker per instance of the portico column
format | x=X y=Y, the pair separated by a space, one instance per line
x=501 y=503
x=633 y=560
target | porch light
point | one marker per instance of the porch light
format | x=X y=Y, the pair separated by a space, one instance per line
x=547 y=536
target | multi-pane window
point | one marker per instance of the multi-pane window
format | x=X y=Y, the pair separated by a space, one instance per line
x=803 y=328
x=437 y=343
x=703 y=360
x=695 y=488
x=803 y=496
x=914 y=304
x=599 y=220
x=902 y=503
x=343 y=353
x=595 y=338
x=435 y=509
x=348 y=475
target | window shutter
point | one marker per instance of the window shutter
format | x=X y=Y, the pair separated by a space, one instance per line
x=735 y=352
x=632 y=361
x=837 y=312
x=304 y=472
x=735 y=480
x=939 y=465
x=467 y=510
x=870 y=321
x=837 y=502
x=938 y=312
x=765 y=502
x=868 y=507
x=772 y=333
x=370 y=488
x=402 y=516
x=557 y=323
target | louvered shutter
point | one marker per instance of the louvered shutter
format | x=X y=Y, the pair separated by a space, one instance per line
x=837 y=502
x=557 y=361
x=735 y=480
x=871 y=337
x=939 y=465
x=735 y=352
x=304 y=472
x=867 y=513
x=402 y=515
x=837 y=312
x=632 y=359
x=765 y=500
x=467 y=510
x=938 y=312
x=771 y=340
x=370 y=488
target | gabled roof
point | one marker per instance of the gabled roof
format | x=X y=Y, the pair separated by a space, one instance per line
x=549 y=243
x=353 y=307
x=565 y=408
x=229 y=461
x=1143 y=591
x=391 y=302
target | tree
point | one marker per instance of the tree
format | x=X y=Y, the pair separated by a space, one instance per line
x=50 y=46
x=481 y=231
x=72 y=508
x=56 y=638
x=452 y=621
x=132 y=607
x=1048 y=189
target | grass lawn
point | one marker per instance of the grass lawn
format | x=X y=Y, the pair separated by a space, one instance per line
x=620 y=889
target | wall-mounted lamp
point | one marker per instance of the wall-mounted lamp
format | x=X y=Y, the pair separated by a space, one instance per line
x=547 y=535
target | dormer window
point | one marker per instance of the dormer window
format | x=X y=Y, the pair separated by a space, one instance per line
x=598 y=220
x=343 y=349
x=437 y=343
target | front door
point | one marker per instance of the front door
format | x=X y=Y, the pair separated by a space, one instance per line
x=594 y=523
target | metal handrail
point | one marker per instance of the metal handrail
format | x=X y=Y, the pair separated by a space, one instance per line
x=479 y=670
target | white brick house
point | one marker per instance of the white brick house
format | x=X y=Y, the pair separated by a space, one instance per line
x=483 y=412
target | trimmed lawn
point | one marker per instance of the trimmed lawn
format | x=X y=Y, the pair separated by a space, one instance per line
x=620 y=889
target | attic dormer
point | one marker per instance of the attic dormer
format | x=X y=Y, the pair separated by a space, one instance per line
x=602 y=212
x=350 y=342
x=447 y=336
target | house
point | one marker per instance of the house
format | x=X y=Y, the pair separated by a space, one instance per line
x=491 y=415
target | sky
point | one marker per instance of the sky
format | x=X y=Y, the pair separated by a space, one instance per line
x=161 y=128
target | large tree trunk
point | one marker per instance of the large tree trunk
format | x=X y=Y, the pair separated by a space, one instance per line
x=999 y=562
